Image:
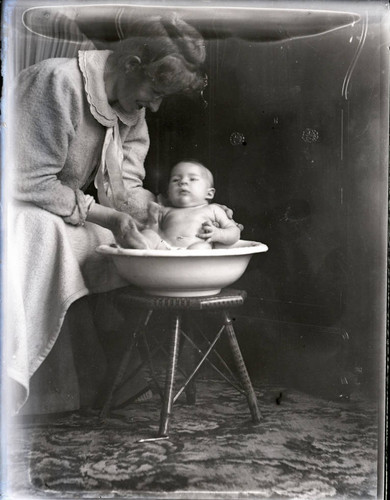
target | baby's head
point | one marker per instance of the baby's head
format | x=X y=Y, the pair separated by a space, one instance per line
x=190 y=184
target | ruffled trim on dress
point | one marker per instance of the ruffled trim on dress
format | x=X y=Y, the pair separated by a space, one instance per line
x=92 y=64
x=96 y=96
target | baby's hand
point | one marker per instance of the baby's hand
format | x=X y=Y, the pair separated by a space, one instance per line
x=209 y=232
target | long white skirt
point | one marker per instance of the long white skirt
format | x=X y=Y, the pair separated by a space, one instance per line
x=48 y=265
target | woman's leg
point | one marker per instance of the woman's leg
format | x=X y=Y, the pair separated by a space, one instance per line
x=115 y=326
x=50 y=265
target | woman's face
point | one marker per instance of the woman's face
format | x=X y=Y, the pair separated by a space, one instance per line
x=135 y=91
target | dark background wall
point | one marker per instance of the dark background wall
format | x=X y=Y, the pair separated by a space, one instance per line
x=310 y=180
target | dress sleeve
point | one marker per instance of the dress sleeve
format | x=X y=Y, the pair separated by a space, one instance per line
x=48 y=110
x=135 y=149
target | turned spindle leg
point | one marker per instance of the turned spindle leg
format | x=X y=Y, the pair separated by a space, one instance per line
x=241 y=369
x=170 y=377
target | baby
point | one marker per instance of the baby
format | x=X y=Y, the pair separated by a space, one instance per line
x=188 y=221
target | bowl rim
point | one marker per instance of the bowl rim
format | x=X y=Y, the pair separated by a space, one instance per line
x=242 y=247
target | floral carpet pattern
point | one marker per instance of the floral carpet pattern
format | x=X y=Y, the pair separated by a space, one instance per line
x=304 y=447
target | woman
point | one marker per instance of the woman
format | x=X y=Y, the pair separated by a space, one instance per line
x=70 y=105
x=79 y=121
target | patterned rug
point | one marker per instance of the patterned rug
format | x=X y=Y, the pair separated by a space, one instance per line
x=304 y=447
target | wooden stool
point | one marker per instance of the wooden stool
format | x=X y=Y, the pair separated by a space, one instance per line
x=177 y=306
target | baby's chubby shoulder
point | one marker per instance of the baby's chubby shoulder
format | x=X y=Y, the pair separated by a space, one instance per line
x=205 y=210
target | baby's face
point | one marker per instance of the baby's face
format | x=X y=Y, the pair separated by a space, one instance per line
x=189 y=185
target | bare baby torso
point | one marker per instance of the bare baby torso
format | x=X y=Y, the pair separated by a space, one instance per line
x=179 y=226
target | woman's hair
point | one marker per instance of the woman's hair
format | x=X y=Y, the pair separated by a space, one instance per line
x=171 y=52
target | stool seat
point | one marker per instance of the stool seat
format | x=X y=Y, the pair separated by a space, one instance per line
x=178 y=306
x=226 y=298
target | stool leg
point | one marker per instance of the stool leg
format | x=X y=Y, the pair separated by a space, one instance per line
x=188 y=354
x=123 y=365
x=145 y=352
x=241 y=368
x=170 y=377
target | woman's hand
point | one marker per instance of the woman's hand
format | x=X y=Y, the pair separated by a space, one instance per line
x=229 y=213
x=122 y=225
x=154 y=211
x=126 y=232
x=162 y=200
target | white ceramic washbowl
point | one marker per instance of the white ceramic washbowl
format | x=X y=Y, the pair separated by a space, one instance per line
x=183 y=273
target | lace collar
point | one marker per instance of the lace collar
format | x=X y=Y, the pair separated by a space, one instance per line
x=92 y=64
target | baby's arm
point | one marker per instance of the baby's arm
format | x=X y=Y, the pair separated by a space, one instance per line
x=155 y=214
x=227 y=233
x=150 y=231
